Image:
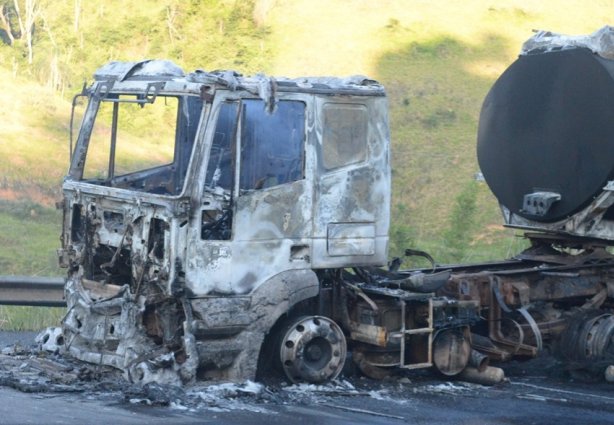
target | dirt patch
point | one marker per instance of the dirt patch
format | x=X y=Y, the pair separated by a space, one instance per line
x=489 y=233
x=10 y=195
x=30 y=193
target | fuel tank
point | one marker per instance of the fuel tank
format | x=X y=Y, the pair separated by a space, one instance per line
x=546 y=136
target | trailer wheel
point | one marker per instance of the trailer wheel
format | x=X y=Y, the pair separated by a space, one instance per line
x=312 y=349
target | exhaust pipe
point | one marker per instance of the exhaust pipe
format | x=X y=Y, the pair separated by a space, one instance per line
x=478 y=360
x=609 y=374
x=489 y=376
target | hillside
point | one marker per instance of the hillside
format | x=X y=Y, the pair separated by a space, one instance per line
x=437 y=60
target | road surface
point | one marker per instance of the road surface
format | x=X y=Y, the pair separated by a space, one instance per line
x=535 y=394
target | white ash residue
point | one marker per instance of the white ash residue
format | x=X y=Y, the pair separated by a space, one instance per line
x=451 y=388
x=227 y=397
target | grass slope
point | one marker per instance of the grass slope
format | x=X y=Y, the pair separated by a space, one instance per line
x=437 y=60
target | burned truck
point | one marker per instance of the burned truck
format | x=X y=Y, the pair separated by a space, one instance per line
x=241 y=230
x=221 y=227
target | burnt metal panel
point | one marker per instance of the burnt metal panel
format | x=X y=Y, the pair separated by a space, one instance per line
x=351 y=239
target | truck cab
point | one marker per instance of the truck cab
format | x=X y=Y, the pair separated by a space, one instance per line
x=202 y=209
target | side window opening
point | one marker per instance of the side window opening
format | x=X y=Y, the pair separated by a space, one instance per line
x=216 y=224
x=221 y=158
x=272 y=144
x=187 y=126
x=344 y=136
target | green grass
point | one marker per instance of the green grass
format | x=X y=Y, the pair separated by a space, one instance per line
x=18 y=318
x=29 y=236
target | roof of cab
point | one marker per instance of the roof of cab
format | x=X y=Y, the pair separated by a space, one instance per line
x=165 y=70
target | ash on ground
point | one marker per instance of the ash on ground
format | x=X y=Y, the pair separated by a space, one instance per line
x=32 y=369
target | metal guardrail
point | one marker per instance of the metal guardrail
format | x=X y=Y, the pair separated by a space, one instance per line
x=32 y=291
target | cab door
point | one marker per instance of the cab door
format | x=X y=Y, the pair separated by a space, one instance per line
x=254 y=211
x=351 y=216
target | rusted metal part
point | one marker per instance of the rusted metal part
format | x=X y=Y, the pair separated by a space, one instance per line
x=488 y=376
x=478 y=360
x=495 y=332
x=530 y=305
x=375 y=335
x=374 y=362
x=394 y=328
x=544 y=248
x=485 y=345
x=32 y=291
x=451 y=351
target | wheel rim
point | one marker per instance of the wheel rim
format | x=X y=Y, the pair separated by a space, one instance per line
x=312 y=349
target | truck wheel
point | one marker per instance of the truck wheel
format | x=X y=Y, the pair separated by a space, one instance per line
x=312 y=349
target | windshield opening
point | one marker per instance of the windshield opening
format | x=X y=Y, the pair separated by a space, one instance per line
x=142 y=146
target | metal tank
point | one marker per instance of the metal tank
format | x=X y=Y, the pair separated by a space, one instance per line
x=546 y=136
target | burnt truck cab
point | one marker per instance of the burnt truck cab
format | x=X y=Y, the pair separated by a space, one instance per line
x=200 y=208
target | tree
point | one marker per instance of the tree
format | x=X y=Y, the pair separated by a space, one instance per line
x=18 y=12
x=26 y=22
x=75 y=26
x=6 y=25
x=32 y=10
x=171 y=17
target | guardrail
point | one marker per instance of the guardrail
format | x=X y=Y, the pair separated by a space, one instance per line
x=32 y=291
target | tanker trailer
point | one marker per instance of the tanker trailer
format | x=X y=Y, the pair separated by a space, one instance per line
x=546 y=150
x=546 y=136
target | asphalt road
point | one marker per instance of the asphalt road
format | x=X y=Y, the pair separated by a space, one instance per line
x=533 y=395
